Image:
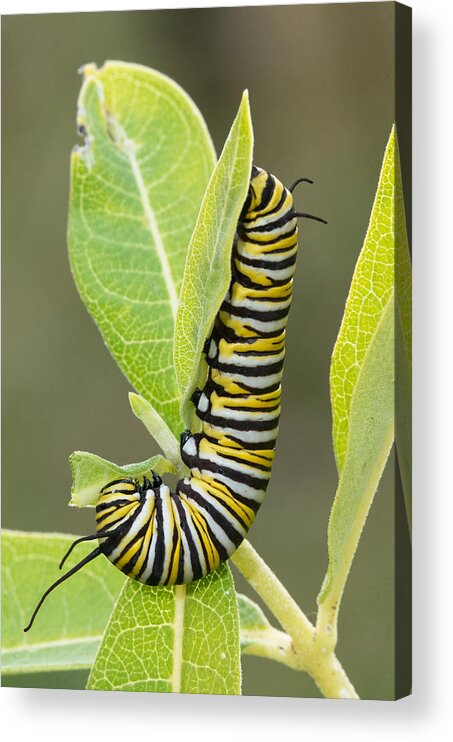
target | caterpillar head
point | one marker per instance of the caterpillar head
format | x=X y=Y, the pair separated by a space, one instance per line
x=116 y=502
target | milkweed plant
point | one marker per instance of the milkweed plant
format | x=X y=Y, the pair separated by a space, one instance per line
x=152 y=221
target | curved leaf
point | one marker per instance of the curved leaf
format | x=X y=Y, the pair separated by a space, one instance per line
x=208 y=266
x=63 y=637
x=371 y=289
x=172 y=640
x=136 y=188
x=370 y=441
x=90 y=473
x=363 y=384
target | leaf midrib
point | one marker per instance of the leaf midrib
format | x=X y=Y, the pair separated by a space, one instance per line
x=129 y=148
x=178 y=637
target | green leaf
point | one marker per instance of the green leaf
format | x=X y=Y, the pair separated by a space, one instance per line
x=181 y=640
x=371 y=289
x=90 y=474
x=208 y=266
x=251 y=616
x=363 y=383
x=136 y=188
x=69 y=627
x=370 y=440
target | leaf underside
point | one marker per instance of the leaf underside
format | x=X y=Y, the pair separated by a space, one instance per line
x=208 y=266
x=136 y=188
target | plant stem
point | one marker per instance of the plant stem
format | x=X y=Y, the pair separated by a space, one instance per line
x=269 y=643
x=311 y=654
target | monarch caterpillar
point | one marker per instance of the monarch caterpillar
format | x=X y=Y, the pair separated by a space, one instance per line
x=161 y=537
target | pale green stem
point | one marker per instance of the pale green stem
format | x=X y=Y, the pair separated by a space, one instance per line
x=269 y=643
x=311 y=655
x=327 y=620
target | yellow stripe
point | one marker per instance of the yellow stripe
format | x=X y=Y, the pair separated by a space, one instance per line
x=220 y=492
x=123 y=560
x=283 y=292
x=146 y=541
x=250 y=458
x=117 y=515
x=213 y=557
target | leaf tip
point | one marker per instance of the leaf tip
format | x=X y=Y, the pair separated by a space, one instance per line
x=88 y=70
x=244 y=108
x=137 y=403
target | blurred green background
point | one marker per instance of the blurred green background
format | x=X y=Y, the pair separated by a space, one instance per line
x=322 y=98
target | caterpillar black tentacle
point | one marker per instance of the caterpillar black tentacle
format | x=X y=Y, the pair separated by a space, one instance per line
x=161 y=537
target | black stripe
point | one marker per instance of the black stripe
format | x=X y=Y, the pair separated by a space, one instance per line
x=119 y=534
x=270 y=226
x=229 y=334
x=220 y=519
x=127 y=480
x=256 y=425
x=260 y=353
x=194 y=558
x=226 y=506
x=116 y=504
x=257 y=483
x=261 y=467
x=231 y=510
x=198 y=530
x=129 y=523
x=272 y=299
x=258 y=410
x=274 y=241
x=245 y=220
x=248 y=445
x=159 y=552
x=247 y=390
x=267 y=193
x=258 y=370
x=271 y=334
x=175 y=541
x=133 y=560
x=269 y=264
x=247 y=282
x=266 y=315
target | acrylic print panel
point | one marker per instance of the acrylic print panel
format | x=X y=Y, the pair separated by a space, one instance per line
x=174 y=240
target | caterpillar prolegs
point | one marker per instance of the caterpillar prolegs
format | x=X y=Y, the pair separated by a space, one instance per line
x=161 y=537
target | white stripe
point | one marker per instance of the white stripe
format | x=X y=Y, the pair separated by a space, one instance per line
x=253 y=252
x=138 y=522
x=250 y=361
x=167 y=530
x=187 y=559
x=217 y=505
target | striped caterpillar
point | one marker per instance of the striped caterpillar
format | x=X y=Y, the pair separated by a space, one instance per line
x=161 y=537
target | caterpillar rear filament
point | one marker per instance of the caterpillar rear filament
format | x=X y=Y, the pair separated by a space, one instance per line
x=161 y=537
